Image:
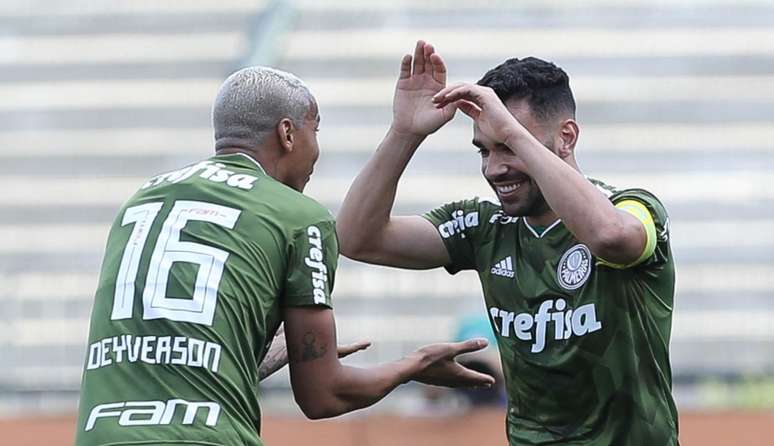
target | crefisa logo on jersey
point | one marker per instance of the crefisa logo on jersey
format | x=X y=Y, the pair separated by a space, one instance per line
x=315 y=262
x=567 y=322
x=574 y=267
x=459 y=222
x=208 y=170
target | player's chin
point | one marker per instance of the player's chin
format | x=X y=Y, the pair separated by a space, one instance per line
x=516 y=203
x=299 y=186
x=512 y=208
x=302 y=184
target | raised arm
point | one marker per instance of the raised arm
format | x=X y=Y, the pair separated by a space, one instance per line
x=323 y=387
x=612 y=234
x=366 y=229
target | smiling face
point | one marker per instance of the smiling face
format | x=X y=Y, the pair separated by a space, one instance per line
x=518 y=193
x=538 y=94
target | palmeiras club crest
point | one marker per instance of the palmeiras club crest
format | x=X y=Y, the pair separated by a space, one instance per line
x=574 y=268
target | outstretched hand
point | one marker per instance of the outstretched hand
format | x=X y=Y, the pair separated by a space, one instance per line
x=421 y=77
x=482 y=104
x=442 y=369
x=346 y=350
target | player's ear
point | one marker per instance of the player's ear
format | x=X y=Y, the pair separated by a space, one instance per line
x=568 y=134
x=285 y=134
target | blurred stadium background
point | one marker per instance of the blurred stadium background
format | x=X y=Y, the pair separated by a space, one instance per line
x=674 y=96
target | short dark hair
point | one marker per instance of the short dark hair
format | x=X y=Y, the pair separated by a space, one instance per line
x=544 y=86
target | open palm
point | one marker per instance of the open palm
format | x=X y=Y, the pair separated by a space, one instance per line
x=442 y=369
x=421 y=77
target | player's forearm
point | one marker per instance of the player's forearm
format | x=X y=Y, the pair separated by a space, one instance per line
x=586 y=212
x=353 y=388
x=359 y=388
x=275 y=359
x=368 y=204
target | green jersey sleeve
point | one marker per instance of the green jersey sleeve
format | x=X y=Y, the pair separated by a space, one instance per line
x=312 y=265
x=459 y=224
x=661 y=254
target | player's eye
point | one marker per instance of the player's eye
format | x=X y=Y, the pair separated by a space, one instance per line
x=483 y=152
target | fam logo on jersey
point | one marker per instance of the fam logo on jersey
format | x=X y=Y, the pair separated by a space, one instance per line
x=502 y=218
x=574 y=267
x=504 y=268
x=154 y=413
x=459 y=222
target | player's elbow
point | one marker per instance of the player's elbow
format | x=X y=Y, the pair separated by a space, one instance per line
x=607 y=241
x=613 y=244
x=317 y=408
x=314 y=399
x=315 y=412
x=349 y=246
x=351 y=241
x=357 y=244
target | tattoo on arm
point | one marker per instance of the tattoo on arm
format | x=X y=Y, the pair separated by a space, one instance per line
x=310 y=351
x=275 y=359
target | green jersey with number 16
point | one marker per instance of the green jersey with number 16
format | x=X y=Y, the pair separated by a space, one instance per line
x=198 y=266
x=584 y=344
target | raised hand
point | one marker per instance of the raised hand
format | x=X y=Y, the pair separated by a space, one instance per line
x=482 y=104
x=442 y=369
x=421 y=77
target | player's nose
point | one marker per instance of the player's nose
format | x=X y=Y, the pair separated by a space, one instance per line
x=494 y=167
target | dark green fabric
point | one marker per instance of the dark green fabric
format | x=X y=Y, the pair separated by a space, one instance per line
x=281 y=251
x=596 y=371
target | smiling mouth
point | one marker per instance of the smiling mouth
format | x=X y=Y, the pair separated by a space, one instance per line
x=509 y=188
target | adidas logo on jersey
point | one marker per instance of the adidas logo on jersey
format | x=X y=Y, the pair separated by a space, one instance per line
x=504 y=268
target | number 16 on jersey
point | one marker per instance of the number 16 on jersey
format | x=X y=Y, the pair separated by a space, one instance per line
x=168 y=249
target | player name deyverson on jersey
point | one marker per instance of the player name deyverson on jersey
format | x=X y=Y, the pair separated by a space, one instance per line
x=166 y=350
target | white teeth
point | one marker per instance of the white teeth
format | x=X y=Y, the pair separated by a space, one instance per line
x=508 y=188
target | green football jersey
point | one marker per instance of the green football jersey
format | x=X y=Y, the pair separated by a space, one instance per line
x=198 y=266
x=584 y=346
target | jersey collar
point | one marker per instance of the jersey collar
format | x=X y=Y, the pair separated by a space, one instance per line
x=233 y=157
x=545 y=231
x=252 y=160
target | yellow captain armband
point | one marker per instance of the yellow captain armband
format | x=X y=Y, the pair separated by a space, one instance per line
x=642 y=214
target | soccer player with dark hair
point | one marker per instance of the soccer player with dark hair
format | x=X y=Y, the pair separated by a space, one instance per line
x=577 y=276
x=204 y=263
